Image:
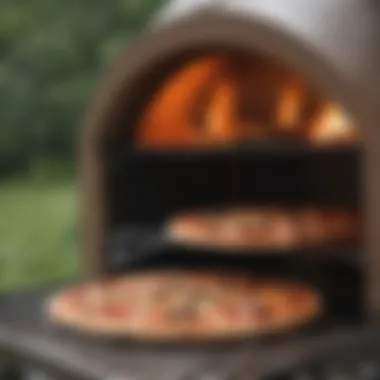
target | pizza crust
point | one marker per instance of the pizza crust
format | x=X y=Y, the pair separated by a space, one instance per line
x=285 y=312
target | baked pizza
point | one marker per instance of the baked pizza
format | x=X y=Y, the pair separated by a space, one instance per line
x=263 y=227
x=185 y=305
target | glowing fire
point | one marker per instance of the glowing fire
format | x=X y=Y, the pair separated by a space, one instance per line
x=169 y=119
x=201 y=105
x=289 y=105
x=331 y=125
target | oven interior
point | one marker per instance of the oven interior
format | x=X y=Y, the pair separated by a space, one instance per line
x=218 y=127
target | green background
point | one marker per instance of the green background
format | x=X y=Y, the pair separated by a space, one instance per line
x=53 y=54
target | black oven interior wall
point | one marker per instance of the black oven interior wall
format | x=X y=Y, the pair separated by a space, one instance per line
x=146 y=186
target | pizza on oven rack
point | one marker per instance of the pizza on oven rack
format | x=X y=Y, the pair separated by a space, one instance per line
x=184 y=306
x=263 y=227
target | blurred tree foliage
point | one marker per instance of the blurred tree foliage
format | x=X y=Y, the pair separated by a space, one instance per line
x=52 y=54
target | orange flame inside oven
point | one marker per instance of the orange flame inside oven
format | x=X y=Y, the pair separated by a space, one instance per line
x=331 y=125
x=289 y=105
x=205 y=103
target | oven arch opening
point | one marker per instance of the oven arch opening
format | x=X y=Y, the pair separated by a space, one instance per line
x=297 y=124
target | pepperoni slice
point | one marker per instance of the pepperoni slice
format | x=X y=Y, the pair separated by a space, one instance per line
x=117 y=311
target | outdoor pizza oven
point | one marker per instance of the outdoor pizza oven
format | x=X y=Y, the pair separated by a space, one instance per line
x=144 y=154
x=229 y=102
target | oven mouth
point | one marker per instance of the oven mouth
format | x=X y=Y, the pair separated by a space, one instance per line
x=224 y=105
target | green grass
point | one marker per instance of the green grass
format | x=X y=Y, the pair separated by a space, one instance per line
x=38 y=234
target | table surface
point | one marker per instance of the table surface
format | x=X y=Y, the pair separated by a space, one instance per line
x=26 y=334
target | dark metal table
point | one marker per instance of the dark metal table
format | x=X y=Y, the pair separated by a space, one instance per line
x=27 y=337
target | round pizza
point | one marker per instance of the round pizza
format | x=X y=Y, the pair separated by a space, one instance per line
x=266 y=228
x=185 y=305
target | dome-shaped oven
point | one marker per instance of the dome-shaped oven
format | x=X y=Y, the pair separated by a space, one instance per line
x=334 y=44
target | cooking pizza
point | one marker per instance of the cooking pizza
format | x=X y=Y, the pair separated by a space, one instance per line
x=263 y=227
x=185 y=305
